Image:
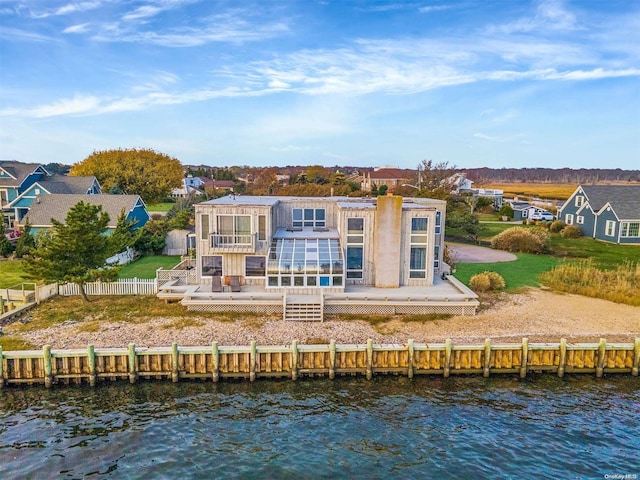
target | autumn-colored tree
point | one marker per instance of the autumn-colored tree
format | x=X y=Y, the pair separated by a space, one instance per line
x=143 y=172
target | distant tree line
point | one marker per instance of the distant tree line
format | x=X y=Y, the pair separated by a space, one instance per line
x=486 y=175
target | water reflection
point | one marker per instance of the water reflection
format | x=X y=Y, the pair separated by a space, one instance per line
x=347 y=428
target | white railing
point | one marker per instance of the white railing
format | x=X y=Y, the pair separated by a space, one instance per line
x=233 y=243
x=125 y=286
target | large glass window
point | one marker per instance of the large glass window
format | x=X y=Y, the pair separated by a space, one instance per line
x=438 y=222
x=355 y=247
x=304 y=262
x=418 y=252
x=309 y=217
x=211 y=265
x=233 y=229
x=255 y=266
x=630 y=229
x=204 y=226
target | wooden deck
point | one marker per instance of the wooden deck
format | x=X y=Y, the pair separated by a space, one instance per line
x=447 y=296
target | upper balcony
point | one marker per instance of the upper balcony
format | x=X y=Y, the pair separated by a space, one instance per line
x=232 y=243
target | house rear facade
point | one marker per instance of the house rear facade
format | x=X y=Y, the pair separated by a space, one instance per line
x=310 y=244
x=606 y=212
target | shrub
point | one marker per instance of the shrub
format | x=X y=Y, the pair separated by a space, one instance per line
x=571 y=231
x=480 y=282
x=485 y=281
x=506 y=210
x=497 y=282
x=557 y=226
x=521 y=239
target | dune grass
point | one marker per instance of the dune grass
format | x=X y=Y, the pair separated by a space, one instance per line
x=620 y=284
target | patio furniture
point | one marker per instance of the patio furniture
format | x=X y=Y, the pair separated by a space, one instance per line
x=216 y=284
x=235 y=283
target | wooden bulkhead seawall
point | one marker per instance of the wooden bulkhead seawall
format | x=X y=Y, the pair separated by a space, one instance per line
x=94 y=365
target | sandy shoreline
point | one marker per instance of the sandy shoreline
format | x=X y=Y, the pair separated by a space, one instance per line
x=540 y=315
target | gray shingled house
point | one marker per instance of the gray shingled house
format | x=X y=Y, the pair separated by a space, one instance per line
x=606 y=212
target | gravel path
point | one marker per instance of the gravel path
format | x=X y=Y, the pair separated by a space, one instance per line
x=540 y=315
x=463 y=253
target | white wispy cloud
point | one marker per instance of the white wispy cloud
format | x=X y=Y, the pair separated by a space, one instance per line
x=67 y=9
x=17 y=34
x=486 y=137
x=291 y=148
x=80 y=28
x=434 y=8
x=549 y=15
x=234 y=26
x=155 y=7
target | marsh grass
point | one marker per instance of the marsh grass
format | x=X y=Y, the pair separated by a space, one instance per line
x=180 y=323
x=620 y=284
x=424 y=318
x=129 y=309
x=10 y=343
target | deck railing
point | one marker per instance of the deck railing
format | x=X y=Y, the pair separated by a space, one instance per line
x=233 y=243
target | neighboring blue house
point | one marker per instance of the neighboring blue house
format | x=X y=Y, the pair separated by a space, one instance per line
x=16 y=178
x=55 y=184
x=524 y=210
x=606 y=212
x=57 y=206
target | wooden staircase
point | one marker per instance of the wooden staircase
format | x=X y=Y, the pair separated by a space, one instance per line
x=303 y=308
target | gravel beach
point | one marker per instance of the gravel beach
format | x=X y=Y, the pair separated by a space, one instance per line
x=540 y=315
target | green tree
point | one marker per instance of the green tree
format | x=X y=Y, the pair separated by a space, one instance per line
x=26 y=242
x=5 y=245
x=124 y=235
x=144 y=172
x=74 y=251
x=506 y=210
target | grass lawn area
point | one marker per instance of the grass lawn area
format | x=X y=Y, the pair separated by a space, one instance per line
x=160 y=207
x=605 y=255
x=522 y=272
x=146 y=266
x=11 y=273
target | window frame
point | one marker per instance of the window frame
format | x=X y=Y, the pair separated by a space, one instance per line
x=625 y=228
x=610 y=228
x=213 y=266
x=264 y=266
x=419 y=241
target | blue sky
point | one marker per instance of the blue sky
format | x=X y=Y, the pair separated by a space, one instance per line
x=473 y=82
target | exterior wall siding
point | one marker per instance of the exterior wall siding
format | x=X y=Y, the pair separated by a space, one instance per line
x=603 y=217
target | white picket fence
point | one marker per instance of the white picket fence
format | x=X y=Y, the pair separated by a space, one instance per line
x=125 y=286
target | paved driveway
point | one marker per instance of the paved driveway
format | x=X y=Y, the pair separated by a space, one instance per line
x=463 y=253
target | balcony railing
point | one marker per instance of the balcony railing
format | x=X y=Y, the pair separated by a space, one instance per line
x=233 y=243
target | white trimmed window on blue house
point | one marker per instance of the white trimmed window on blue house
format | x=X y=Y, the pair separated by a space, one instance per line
x=568 y=219
x=630 y=229
x=580 y=220
x=610 y=228
x=579 y=200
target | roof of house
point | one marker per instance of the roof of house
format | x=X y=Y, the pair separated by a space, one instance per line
x=65 y=184
x=625 y=199
x=223 y=183
x=18 y=170
x=384 y=173
x=57 y=206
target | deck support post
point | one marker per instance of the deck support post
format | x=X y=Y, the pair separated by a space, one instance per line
x=332 y=359
x=563 y=357
x=294 y=360
x=447 y=357
x=46 y=353
x=369 y=359
x=601 y=354
x=132 y=363
x=91 y=360
x=1 y=369
x=634 y=369
x=252 y=361
x=525 y=357
x=174 y=363
x=487 y=358
x=411 y=351
x=1 y=305
x=215 y=354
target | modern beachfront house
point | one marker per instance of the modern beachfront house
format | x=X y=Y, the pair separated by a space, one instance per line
x=359 y=253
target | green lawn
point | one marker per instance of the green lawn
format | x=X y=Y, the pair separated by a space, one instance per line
x=605 y=255
x=160 y=207
x=146 y=267
x=522 y=272
x=11 y=273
